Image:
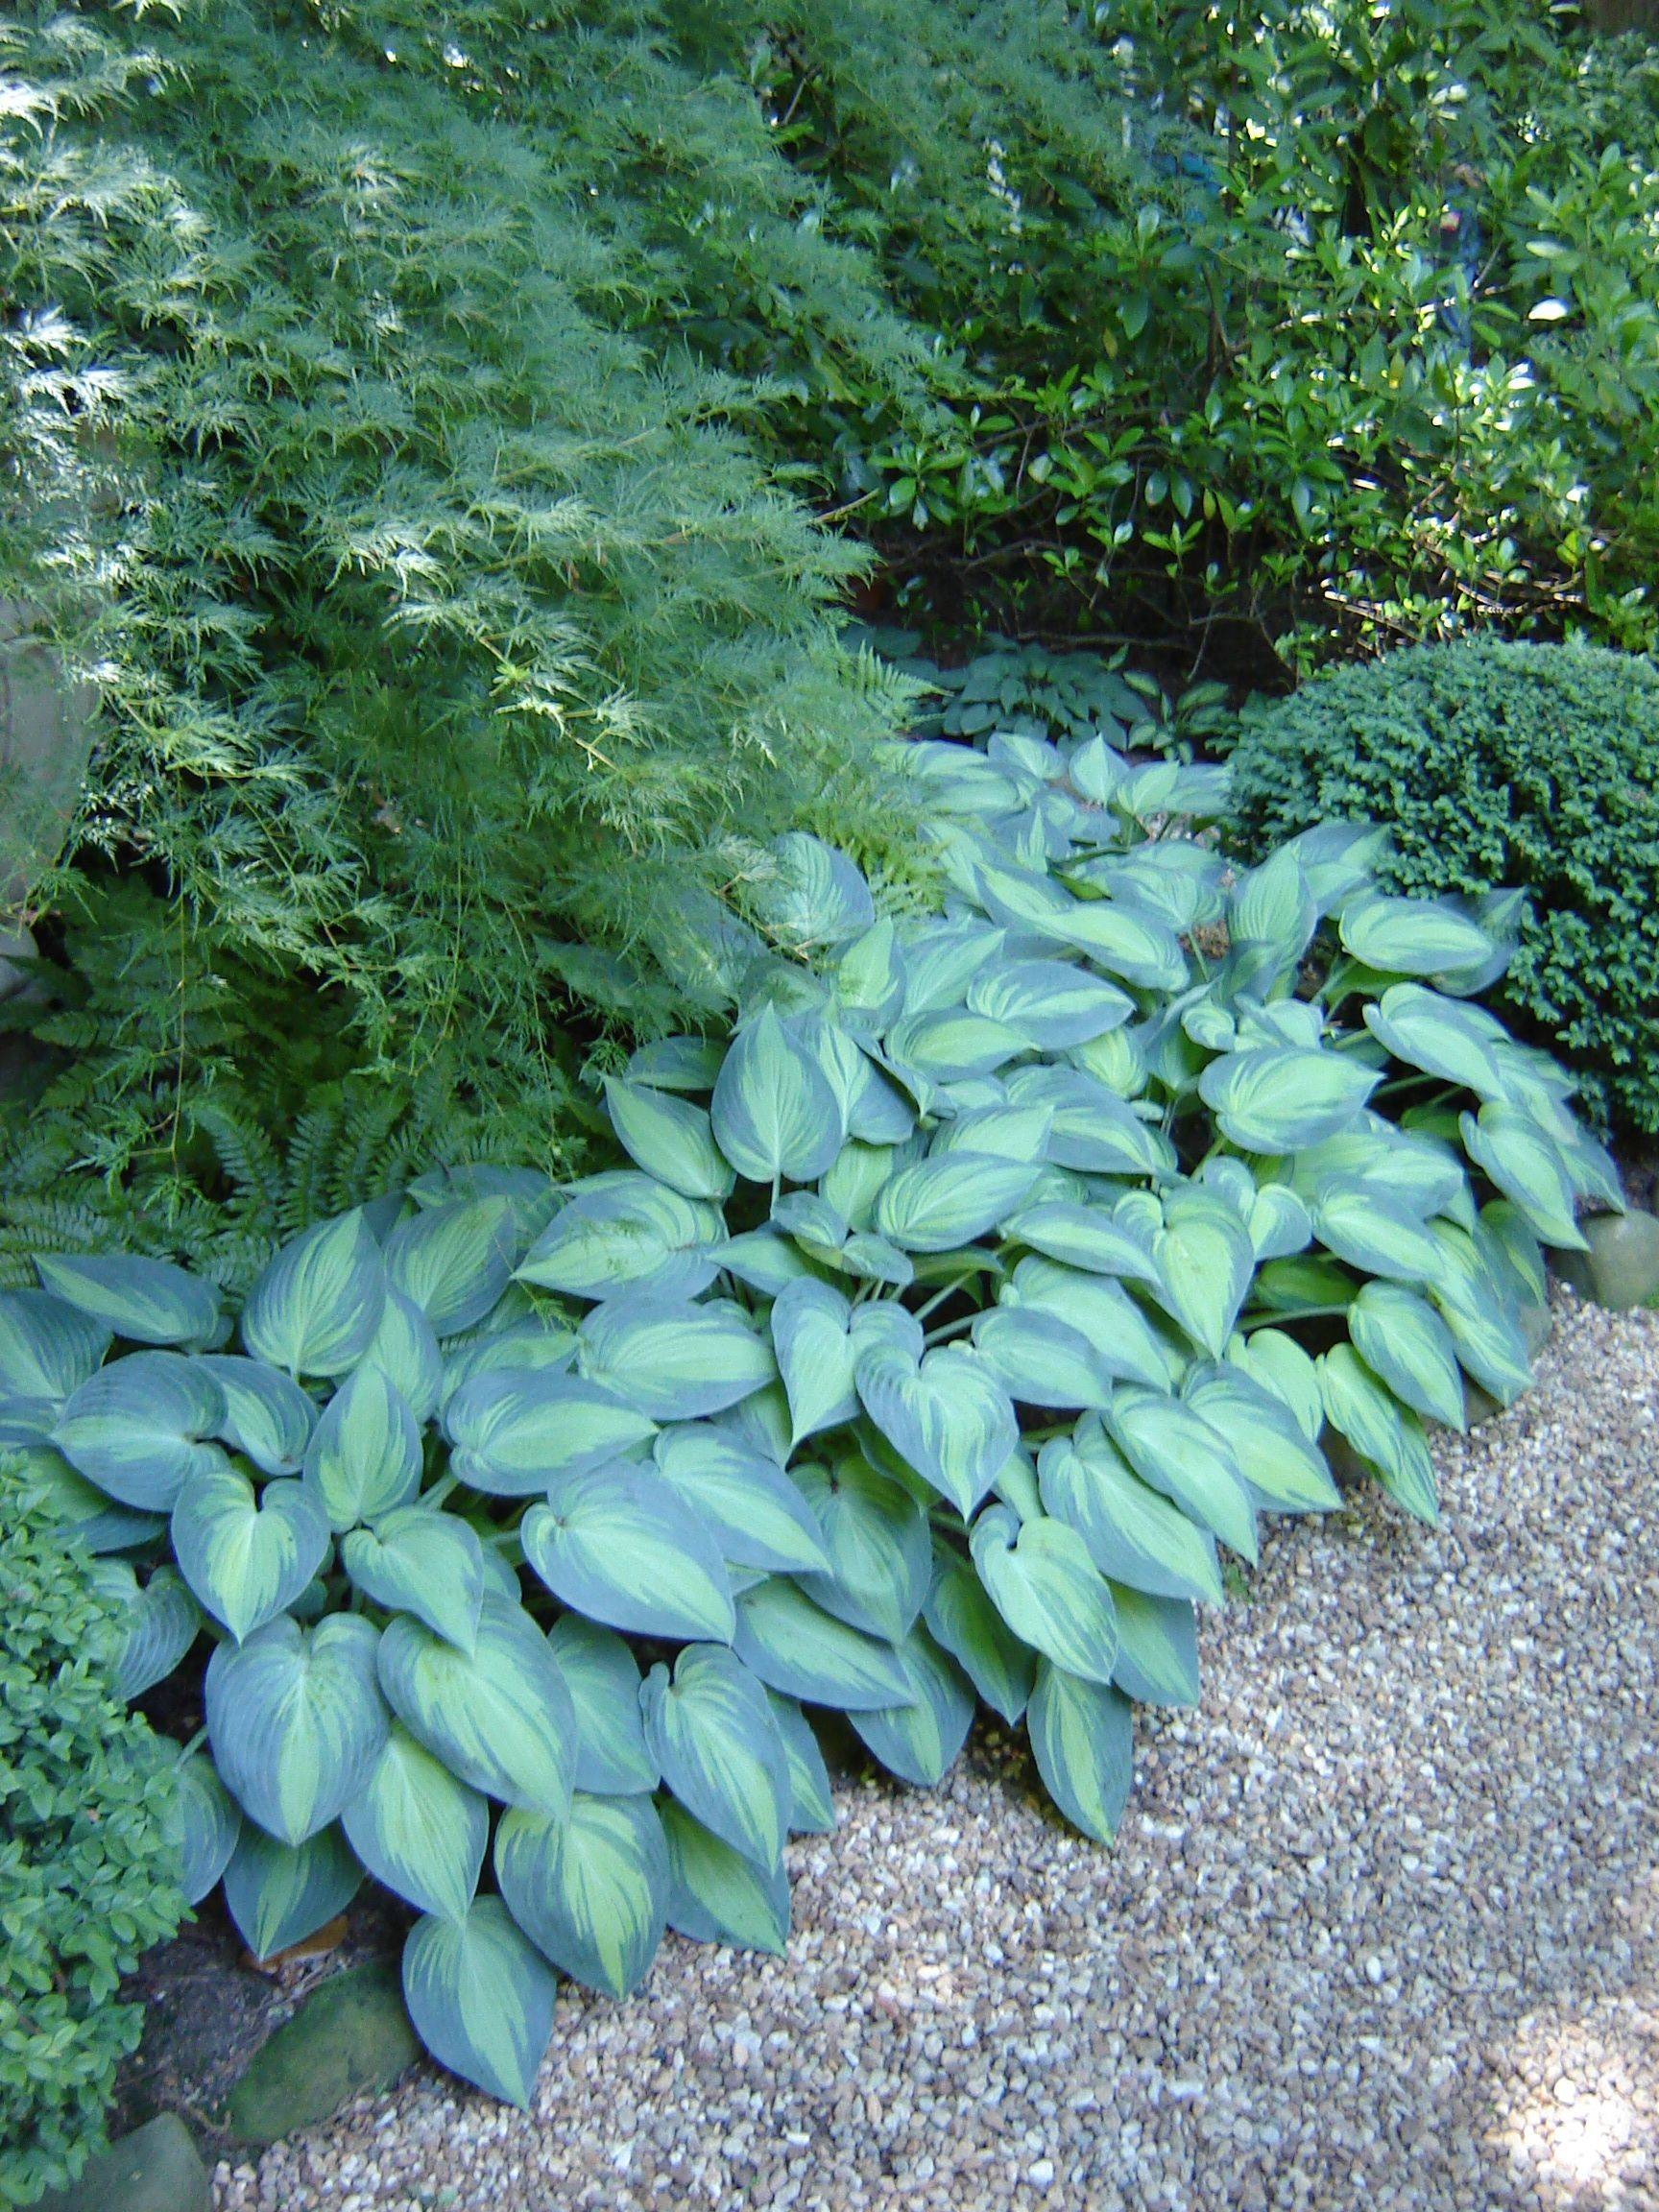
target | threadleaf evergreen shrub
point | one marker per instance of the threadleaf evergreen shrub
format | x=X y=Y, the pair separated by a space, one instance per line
x=1531 y=766
x=88 y=1873
x=996 y=1269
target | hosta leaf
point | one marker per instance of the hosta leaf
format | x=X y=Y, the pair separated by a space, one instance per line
x=295 y=1721
x=1401 y=1338
x=870 y=977
x=765 y=1262
x=674 y=1362
x=1477 y=1312
x=811 y=1808
x=814 y=1352
x=774 y=1112
x=618 y=1544
x=1085 y=1237
x=146 y=1301
x=602 y=1675
x=920 y=1741
x=1133 y=1533
x=1354 y=1219
x=1442 y=1036
x=1412 y=936
x=1158 y=1649
x=279 y=1893
x=202 y=1822
x=248 y=1556
x=1039 y=1360
x=1092 y=1130
x=947 y=1417
x=798 y=1649
x=943 y=1203
x=963 y=1621
x=817 y=896
x=1118 y=1334
x=1127 y=943
x=515 y=1432
x=591 y=1892
x=756 y=1515
x=363 y=1456
x=75 y=1504
x=454 y=1262
x=678 y=1063
x=1384 y=1434
x=1040 y=1577
x=952 y=1044
x=268 y=1418
x=1527 y=1166
x=669 y=1137
x=1511 y=1250
x=498 y=1717
x=315 y=1309
x=1280 y=1364
x=158 y=1625
x=716 y=1896
x=1278 y=1222
x=875 y=1535
x=404 y=1348
x=1279 y=1098
x=431 y=1564
x=481 y=1998
x=1205 y=1262
x=1049 y=1005
x=1283 y=1470
x=418 y=1829
x=1001 y=1132
x=624 y=1234
x=135 y=1427
x=1082 y=1740
x=1172 y=1447
x=1273 y=911
x=48 y=1348
x=712 y=1733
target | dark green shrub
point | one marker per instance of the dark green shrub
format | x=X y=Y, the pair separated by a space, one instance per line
x=88 y=1874
x=1531 y=766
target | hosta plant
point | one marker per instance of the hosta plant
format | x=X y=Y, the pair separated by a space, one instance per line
x=1000 y=1271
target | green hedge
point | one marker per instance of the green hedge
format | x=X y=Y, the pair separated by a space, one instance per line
x=1493 y=764
x=88 y=1874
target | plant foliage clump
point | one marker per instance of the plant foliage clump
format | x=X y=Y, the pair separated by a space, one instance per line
x=1534 y=766
x=88 y=1878
x=999 y=1271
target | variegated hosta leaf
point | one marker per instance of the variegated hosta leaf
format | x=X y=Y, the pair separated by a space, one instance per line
x=1133 y=1533
x=678 y=1063
x=715 y=1895
x=814 y=1351
x=1477 y=1310
x=418 y=1829
x=1119 y=1334
x=674 y=1360
x=816 y=896
x=1040 y=1360
x=315 y=1309
x=157 y=1624
x=592 y=1892
x=626 y=1233
x=363 y=1456
x=756 y=1515
x=1385 y=1433
x=1373 y=1232
x=1527 y=1166
x=1040 y=1577
x=405 y=1350
x=420 y=1561
x=944 y=1203
x=1174 y=1449
x=875 y=1535
x=948 y=1416
x=1205 y=1262
x=295 y=1721
x=811 y=1809
x=1412 y=936
x=1091 y=1129
x=1085 y=1237
x=1444 y=1037
x=202 y=1822
x=1280 y=1364
x=481 y=1998
x=47 y=1347
x=1156 y=1648
x=1278 y=1222
x=279 y=1893
x=498 y=1717
x=774 y=1113
x=922 y=1739
x=146 y=1301
x=137 y=1428
x=1401 y=1339
x=953 y=1043
x=1082 y=1742
x=1283 y=1470
x=618 y=1544
x=802 y=1651
x=711 y=1729
x=268 y=1418
x=1050 y=1004
x=612 y=1758
x=516 y=1431
x=1279 y=1098
x=963 y=1621
x=454 y=1262
x=248 y=1555
x=668 y=1137
x=999 y=1132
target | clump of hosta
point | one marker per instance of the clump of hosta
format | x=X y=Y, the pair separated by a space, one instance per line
x=1000 y=1272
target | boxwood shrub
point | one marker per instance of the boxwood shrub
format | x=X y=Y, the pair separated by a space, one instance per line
x=1497 y=763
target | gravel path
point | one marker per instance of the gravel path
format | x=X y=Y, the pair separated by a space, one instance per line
x=1381 y=1929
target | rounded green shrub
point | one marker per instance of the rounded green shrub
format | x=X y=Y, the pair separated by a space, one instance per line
x=1495 y=763
x=87 y=1867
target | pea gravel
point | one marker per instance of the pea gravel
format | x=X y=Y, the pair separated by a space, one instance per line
x=1381 y=1930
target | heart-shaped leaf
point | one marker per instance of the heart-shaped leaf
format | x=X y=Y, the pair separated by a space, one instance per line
x=247 y=1556
x=481 y=1998
x=1040 y=1577
x=674 y=1360
x=1174 y=1449
x=47 y=1347
x=268 y=1418
x=498 y=1717
x=814 y=1352
x=618 y=1546
x=418 y=1829
x=592 y=1892
x=146 y=1301
x=1401 y=1339
x=279 y=1893
x=1133 y=1533
x=876 y=1537
x=669 y=1137
x=922 y=1739
x=295 y=1721
x=715 y=1895
x=756 y=1515
x=602 y=1675
x=774 y=1112
x=516 y=1431
x=947 y=1417
x=315 y=1309
x=802 y=1651
x=363 y=1456
x=1081 y=1739
x=962 y=1621
x=202 y=1822
x=454 y=1262
x=627 y=1233
x=710 y=1730
x=431 y=1564
x=137 y=1428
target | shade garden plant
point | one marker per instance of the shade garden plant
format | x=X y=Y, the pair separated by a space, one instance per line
x=1003 y=1267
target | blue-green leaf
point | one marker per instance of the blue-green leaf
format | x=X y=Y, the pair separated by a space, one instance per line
x=418 y=1829
x=279 y=1893
x=922 y=1739
x=1049 y=1005
x=137 y=1428
x=315 y=1309
x=247 y=1556
x=1385 y=1433
x=295 y=1721
x=404 y=1348
x=613 y=1759
x=158 y=1624
x=947 y=1417
x=146 y=1301
x=431 y=1564
x=516 y=1431
x=943 y=1203
x=962 y=1620
x=626 y=1233
x=363 y=1456
x=1133 y=1534
x=1082 y=1741
x=814 y=1352
x=1084 y=1237
x=1205 y=1262
x=1401 y=1338
x=47 y=1347
x=675 y=1361
x=268 y=1418
x=498 y=1717
x=710 y=1730
x=811 y=1807
x=1040 y=1360
x=798 y=1648
x=592 y=1892
x=756 y=1515
x=1158 y=1647
x=454 y=1262
x=876 y=1538
x=618 y=1544
x=481 y=1998
x=1527 y=1165
x=202 y=1822
x=1282 y=1469
x=1412 y=936
x=774 y=1112
x=715 y=1894
x=1279 y=1099
x=1040 y=1577
x=1172 y=1447
x=668 y=1137
x=1442 y=1036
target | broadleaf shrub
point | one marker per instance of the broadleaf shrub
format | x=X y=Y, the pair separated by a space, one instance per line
x=87 y=1877
x=999 y=1268
x=1498 y=764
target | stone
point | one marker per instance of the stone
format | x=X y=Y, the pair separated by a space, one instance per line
x=155 y=2169
x=1622 y=1266
x=352 y=2034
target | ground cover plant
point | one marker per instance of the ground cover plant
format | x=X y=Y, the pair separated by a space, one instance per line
x=996 y=1275
x=1494 y=763
x=86 y=1870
